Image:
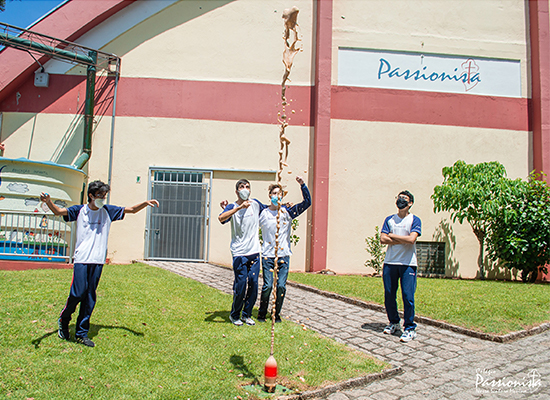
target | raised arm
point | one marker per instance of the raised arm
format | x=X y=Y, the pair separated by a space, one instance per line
x=298 y=209
x=45 y=197
x=141 y=206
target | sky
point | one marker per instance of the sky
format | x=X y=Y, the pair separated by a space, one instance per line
x=23 y=13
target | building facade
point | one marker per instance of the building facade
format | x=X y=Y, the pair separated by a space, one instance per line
x=383 y=95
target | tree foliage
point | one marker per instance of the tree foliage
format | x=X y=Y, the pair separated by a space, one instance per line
x=2 y=5
x=510 y=217
x=472 y=193
x=520 y=230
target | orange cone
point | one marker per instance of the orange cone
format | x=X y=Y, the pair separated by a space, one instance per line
x=270 y=374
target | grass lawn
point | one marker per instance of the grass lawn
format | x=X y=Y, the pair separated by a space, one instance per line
x=486 y=306
x=157 y=335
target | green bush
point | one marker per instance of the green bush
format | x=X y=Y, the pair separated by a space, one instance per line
x=511 y=218
x=376 y=251
x=520 y=230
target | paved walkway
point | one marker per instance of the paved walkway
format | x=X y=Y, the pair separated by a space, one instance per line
x=438 y=364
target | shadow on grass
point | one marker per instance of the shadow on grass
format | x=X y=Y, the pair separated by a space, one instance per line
x=378 y=327
x=94 y=330
x=239 y=365
x=217 y=316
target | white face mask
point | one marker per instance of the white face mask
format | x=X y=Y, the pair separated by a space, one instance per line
x=244 y=193
x=99 y=203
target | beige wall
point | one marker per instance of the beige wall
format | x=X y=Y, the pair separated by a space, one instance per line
x=487 y=28
x=371 y=162
x=239 y=41
x=197 y=144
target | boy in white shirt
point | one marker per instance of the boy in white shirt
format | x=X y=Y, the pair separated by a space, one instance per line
x=93 y=222
x=268 y=223
x=245 y=249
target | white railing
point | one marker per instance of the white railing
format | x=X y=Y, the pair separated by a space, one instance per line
x=35 y=237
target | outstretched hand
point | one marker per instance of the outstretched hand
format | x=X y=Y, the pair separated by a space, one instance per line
x=153 y=203
x=44 y=197
x=300 y=180
x=223 y=204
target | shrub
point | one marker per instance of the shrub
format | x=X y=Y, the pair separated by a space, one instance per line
x=376 y=251
x=520 y=230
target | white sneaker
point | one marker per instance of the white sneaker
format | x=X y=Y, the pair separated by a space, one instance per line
x=391 y=328
x=249 y=321
x=408 y=335
x=236 y=322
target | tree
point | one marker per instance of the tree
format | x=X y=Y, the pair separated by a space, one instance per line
x=472 y=193
x=520 y=230
x=3 y=5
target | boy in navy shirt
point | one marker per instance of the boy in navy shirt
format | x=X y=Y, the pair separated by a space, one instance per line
x=93 y=222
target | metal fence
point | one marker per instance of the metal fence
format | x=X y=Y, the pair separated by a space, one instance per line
x=35 y=237
x=177 y=230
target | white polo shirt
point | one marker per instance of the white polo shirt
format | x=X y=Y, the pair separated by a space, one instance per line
x=402 y=254
x=92 y=231
x=244 y=228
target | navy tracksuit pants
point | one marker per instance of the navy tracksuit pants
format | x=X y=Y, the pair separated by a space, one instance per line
x=83 y=291
x=391 y=275
x=245 y=286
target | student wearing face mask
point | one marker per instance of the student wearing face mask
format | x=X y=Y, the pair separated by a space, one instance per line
x=268 y=223
x=400 y=232
x=93 y=221
x=245 y=248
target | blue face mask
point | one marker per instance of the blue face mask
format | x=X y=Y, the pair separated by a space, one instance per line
x=274 y=200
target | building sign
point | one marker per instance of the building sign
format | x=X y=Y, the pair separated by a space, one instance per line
x=429 y=72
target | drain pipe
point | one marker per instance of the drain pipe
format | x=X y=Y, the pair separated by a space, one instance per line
x=111 y=149
x=88 y=114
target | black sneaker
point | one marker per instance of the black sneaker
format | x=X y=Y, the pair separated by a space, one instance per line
x=278 y=320
x=85 y=340
x=63 y=330
x=261 y=319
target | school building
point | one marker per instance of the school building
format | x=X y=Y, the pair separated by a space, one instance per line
x=384 y=94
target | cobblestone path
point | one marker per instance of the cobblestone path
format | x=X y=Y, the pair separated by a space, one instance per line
x=438 y=364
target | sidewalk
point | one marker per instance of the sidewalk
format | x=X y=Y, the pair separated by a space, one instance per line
x=438 y=364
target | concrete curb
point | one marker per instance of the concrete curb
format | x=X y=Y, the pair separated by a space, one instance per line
x=349 y=384
x=432 y=322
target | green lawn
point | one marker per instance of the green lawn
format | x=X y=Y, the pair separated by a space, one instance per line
x=157 y=335
x=486 y=306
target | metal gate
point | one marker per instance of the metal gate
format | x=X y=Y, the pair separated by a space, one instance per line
x=178 y=229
